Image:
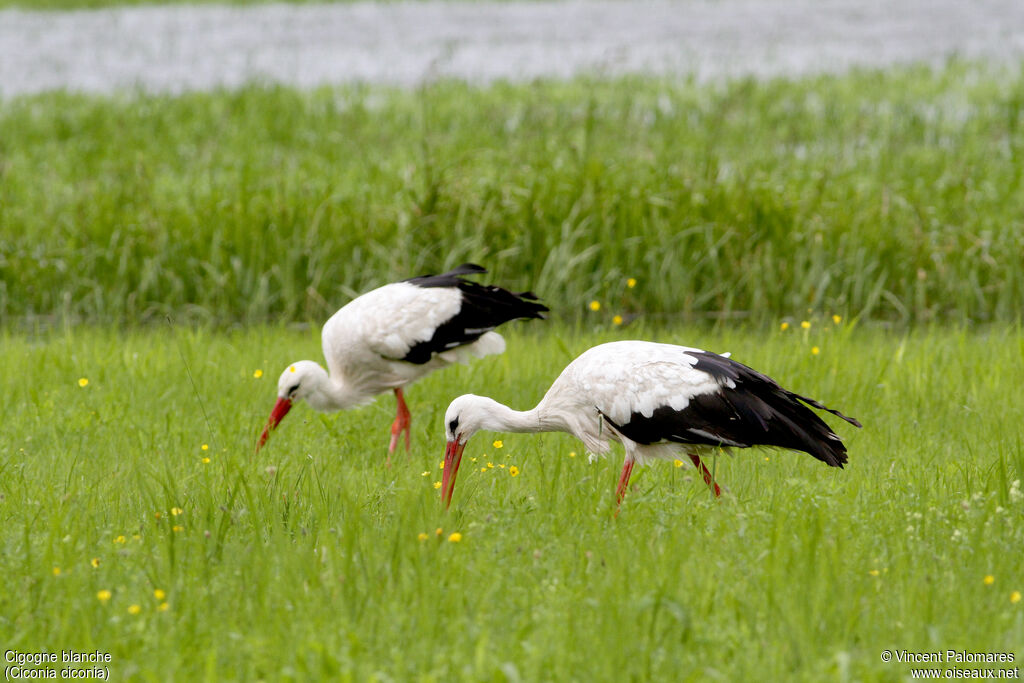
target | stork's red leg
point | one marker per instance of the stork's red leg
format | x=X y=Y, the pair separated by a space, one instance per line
x=707 y=475
x=620 y=492
x=403 y=420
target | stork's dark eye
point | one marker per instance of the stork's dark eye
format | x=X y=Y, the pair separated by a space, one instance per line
x=453 y=425
x=292 y=390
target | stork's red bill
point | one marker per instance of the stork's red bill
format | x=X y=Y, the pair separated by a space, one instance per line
x=658 y=401
x=452 y=460
x=281 y=408
x=393 y=335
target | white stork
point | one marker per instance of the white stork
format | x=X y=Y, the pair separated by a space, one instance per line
x=395 y=334
x=657 y=400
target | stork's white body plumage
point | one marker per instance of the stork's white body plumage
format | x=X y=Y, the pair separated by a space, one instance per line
x=365 y=341
x=619 y=379
x=394 y=335
x=658 y=401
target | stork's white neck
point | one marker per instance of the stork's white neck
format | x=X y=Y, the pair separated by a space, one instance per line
x=501 y=418
x=328 y=394
x=497 y=417
x=476 y=413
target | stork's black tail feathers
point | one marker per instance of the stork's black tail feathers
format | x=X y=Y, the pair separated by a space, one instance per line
x=771 y=415
x=498 y=302
x=795 y=426
x=815 y=404
x=484 y=307
x=464 y=269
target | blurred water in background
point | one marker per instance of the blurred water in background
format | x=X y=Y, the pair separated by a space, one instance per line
x=404 y=43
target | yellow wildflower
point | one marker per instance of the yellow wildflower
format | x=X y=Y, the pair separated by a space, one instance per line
x=498 y=444
x=425 y=474
x=490 y=465
x=103 y=595
x=205 y=447
x=437 y=484
x=784 y=326
x=1015 y=597
x=258 y=373
x=989 y=579
x=95 y=562
x=56 y=571
x=806 y=324
x=677 y=462
x=159 y=594
x=176 y=511
x=83 y=381
x=874 y=572
x=454 y=537
x=163 y=607
x=134 y=609
x=617 y=320
x=206 y=461
x=177 y=527
x=595 y=305
x=438 y=531
x=837 y=319
x=815 y=350
x=119 y=539
x=513 y=471
x=572 y=454
x=631 y=282
x=423 y=536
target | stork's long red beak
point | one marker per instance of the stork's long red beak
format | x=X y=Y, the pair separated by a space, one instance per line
x=281 y=409
x=452 y=459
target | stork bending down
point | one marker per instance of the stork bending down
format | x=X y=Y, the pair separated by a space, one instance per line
x=395 y=334
x=656 y=400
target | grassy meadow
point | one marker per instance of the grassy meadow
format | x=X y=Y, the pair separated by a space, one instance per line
x=162 y=258
x=306 y=560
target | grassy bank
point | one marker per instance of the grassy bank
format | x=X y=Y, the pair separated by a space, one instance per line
x=894 y=196
x=305 y=561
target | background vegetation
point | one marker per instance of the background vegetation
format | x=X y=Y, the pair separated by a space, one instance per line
x=893 y=196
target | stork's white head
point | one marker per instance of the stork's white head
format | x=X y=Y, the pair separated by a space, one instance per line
x=467 y=415
x=299 y=381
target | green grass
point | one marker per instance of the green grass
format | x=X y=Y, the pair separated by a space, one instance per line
x=303 y=562
x=894 y=196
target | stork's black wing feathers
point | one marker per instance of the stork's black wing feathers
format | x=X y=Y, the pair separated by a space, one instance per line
x=722 y=368
x=756 y=411
x=449 y=279
x=484 y=307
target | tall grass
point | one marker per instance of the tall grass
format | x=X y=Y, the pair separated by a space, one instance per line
x=894 y=196
x=304 y=561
